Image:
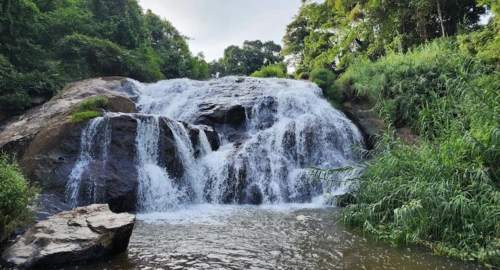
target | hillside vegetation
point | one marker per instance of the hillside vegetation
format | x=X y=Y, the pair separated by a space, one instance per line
x=438 y=74
x=45 y=44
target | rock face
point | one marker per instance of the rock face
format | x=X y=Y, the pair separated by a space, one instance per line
x=362 y=114
x=370 y=125
x=49 y=146
x=17 y=132
x=85 y=233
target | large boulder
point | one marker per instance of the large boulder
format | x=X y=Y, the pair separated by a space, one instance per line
x=83 y=234
x=17 y=132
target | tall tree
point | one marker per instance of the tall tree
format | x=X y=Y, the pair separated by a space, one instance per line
x=248 y=59
x=332 y=33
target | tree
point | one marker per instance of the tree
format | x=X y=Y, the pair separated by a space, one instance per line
x=247 y=59
x=47 y=43
x=333 y=33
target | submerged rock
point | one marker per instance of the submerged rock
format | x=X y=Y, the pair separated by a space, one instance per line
x=83 y=234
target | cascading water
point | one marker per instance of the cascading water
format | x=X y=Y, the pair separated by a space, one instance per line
x=156 y=189
x=287 y=126
x=93 y=148
x=269 y=131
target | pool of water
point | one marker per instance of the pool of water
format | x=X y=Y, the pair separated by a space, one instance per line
x=266 y=237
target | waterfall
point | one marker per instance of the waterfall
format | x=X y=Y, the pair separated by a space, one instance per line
x=268 y=132
x=156 y=190
x=288 y=127
x=93 y=148
x=205 y=147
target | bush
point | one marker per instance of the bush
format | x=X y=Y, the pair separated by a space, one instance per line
x=404 y=83
x=87 y=109
x=92 y=103
x=303 y=76
x=325 y=79
x=17 y=197
x=271 y=71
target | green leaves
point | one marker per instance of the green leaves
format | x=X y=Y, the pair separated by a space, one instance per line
x=45 y=44
x=443 y=192
x=17 y=197
x=248 y=59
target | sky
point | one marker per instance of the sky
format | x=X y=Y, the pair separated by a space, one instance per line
x=213 y=25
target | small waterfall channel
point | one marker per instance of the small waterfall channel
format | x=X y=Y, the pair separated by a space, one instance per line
x=94 y=143
x=269 y=131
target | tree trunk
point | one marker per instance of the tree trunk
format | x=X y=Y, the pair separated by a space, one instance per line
x=440 y=13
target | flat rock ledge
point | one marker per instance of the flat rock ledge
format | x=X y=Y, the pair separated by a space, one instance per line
x=83 y=234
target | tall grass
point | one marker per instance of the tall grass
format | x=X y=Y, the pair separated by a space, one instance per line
x=405 y=82
x=442 y=193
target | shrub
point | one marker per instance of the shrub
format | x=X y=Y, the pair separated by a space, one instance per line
x=271 y=71
x=406 y=82
x=92 y=103
x=325 y=79
x=87 y=109
x=303 y=76
x=17 y=197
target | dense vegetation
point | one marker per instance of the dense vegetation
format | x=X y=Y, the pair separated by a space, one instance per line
x=17 y=197
x=424 y=64
x=334 y=33
x=45 y=44
x=443 y=192
x=248 y=59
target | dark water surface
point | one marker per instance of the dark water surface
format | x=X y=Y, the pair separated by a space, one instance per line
x=245 y=237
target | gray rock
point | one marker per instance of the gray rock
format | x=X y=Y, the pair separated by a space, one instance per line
x=83 y=234
x=362 y=114
x=17 y=132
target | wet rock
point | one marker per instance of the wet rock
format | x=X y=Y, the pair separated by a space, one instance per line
x=17 y=132
x=362 y=115
x=83 y=234
x=254 y=195
x=50 y=205
x=110 y=178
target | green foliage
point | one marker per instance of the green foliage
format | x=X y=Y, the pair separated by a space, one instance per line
x=88 y=109
x=92 y=103
x=84 y=115
x=46 y=44
x=17 y=197
x=442 y=193
x=271 y=71
x=303 y=76
x=329 y=34
x=405 y=83
x=247 y=59
x=325 y=79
